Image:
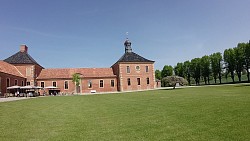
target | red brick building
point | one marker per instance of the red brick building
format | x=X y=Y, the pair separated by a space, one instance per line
x=131 y=72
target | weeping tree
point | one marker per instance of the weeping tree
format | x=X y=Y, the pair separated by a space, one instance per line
x=76 y=79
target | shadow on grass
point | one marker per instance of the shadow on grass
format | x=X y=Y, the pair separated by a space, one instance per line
x=170 y=89
x=245 y=85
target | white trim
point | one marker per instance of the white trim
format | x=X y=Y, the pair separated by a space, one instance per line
x=100 y=83
x=43 y=84
x=146 y=69
x=64 y=84
x=111 y=83
x=53 y=82
x=90 y=83
x=129 y=81
x=127 y=70
x=137 y=69
x=138 y=81
x=15 y=82
x=7 y=82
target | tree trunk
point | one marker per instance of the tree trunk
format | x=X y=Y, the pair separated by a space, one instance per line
x=248 y=75
x=232 y=76
x=215 y=79
x=208 y=80
x=220 y=77
x=239 y=76
x=205 y=79
x=189 y=81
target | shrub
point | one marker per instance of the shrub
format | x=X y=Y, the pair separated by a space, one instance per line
x=170 y=81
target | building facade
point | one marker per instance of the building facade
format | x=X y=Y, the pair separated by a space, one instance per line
x=130 y=73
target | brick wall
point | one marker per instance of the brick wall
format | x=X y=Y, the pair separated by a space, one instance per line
x=12 y=78
x=84 y=85
x=136 y=73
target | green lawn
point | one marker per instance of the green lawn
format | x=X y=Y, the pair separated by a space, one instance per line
x=201 y=113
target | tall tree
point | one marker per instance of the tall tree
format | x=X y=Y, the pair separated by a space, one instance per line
x=158 y=74
x=239 y=58
x=167 y=71
x=247 y=59
x=179 y=70
x=195 y=68
x=186 y=68
x=205 y=68
x=216 y=64
x=76 y=79
x=229 y=60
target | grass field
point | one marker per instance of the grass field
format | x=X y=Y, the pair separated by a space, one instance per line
x=201 y=113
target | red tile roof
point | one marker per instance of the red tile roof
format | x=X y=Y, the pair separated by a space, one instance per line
x=68 y=72
x=9 y=69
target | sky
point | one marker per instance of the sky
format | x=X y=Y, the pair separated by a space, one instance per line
x=91 y=33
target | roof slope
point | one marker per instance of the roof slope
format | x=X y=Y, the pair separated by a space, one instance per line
x=9 y=69
x=68 y=72
x=21 y=58
x=133 y=57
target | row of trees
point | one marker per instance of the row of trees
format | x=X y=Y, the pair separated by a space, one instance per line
x=234 y=60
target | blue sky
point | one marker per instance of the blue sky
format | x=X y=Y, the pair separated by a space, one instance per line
x=80 y=33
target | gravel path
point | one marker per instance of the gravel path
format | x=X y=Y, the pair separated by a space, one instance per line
x=14 y=98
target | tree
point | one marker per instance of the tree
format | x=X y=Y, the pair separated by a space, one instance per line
x=167 y=71
x=158 y=74
x=216 y=64
x=76 y=79
x=195 y=69
x=186 y=69
x=179 y=70
x=229 y=59
x=239 y=58
x=247 y=59
x=205 y=68
x=171 y=81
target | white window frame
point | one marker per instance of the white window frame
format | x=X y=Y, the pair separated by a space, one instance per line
x=53 y=83
x=102 y=83
x=65 y=83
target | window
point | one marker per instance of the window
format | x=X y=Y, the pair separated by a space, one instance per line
x=8 y=82
x=89 y=84
x=42 y=84
x=147 y=80
x=128 y=69
x=54 y=84
x=101 y=83
x=22 y=83
x=146 y=68
x=128 y=81
x=138 y=81
x=137 y=68
x=112 y=83
x=16 y=82
x=28 y=83
x=66 y=85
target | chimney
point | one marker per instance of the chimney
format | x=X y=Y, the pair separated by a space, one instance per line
x=24 y=48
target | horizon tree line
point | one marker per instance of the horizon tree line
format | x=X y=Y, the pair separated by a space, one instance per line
x=233 y=61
